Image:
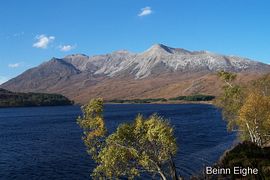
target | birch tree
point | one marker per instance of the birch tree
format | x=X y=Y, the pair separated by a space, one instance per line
x=254 y=118
x=231 y=100
x=146 y=146
x=93 y=125
x=247 y=109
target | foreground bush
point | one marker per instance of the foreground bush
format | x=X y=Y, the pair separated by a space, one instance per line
x=248 y=154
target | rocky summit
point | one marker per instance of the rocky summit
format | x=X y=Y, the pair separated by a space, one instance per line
x=160 y=71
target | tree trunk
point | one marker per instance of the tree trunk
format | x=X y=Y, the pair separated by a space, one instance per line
x=173 y=170
x=250 y=133
x=161 y=173
x=257 y=133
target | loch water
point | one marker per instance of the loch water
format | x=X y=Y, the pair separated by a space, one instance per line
x=45 y=142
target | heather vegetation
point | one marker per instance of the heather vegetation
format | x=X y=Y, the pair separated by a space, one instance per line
x=13 y=99
x=245 y=155
x=248 y=154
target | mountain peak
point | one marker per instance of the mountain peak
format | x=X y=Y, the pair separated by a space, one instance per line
x=160 y=48
x=158 y=45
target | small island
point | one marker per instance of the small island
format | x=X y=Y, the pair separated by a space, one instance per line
x=18 y=99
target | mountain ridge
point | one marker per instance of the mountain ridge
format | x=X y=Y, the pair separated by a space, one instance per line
x=158 y=55
x=158 y=71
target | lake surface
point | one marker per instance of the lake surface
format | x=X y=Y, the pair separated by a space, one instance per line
x=45 y=142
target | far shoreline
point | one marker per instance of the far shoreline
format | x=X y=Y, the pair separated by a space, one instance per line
x=6 y=107
x=125 y=103
x=169 y=102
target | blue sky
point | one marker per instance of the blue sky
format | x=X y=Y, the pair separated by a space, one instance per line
x=32 y=31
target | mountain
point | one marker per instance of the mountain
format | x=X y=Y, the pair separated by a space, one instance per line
x=160 y=71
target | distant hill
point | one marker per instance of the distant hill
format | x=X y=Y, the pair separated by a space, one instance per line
x=158 y=72
x=12 y=99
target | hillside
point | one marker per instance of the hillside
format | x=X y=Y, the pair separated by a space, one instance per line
x=158 y=72
x=12 y=99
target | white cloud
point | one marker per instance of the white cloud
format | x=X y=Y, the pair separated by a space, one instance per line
x=3 y=79
x=145 y=11
x=43 y=41
x=66 y=48
x=15 y=65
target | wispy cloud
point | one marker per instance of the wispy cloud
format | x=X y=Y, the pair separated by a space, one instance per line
x=43 y=41
x=15 y=65
x=66 y=48
x=3 y=79
x=145 y=11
